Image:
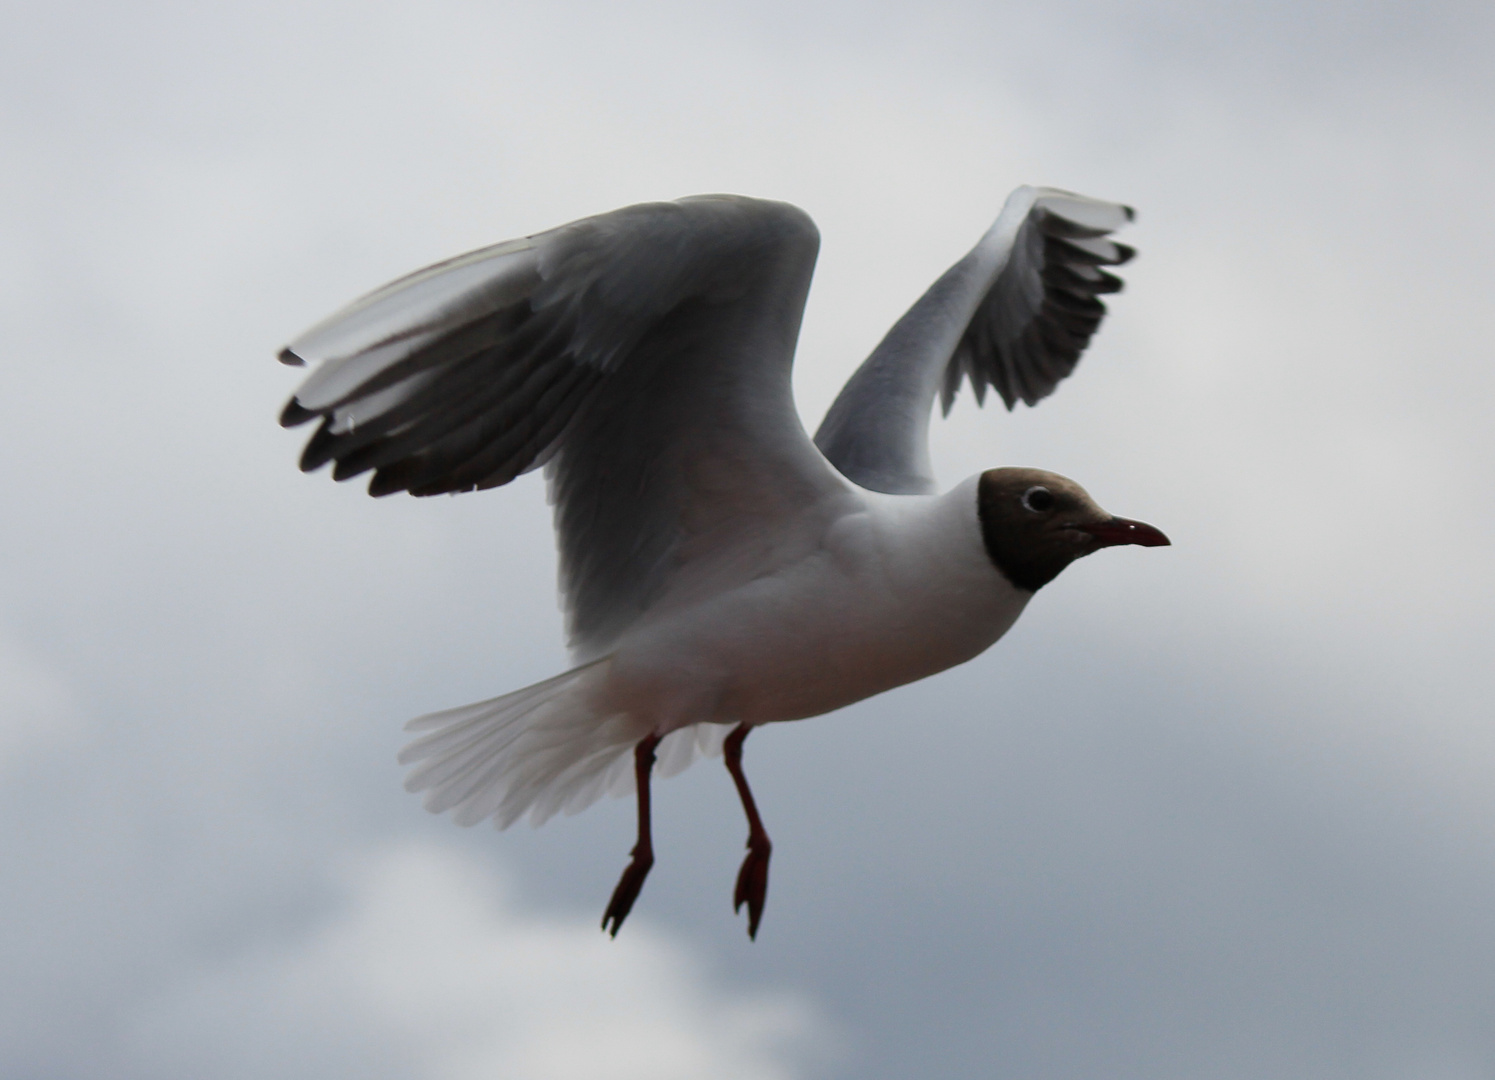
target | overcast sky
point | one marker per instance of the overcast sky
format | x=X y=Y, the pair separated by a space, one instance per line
x=1224 y=810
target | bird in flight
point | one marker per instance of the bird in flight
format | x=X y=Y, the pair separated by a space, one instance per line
x=720 y=569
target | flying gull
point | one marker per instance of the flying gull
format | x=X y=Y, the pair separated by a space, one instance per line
x=720 y=570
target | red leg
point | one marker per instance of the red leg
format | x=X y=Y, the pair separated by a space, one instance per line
x=752 y=879
x=632 y=880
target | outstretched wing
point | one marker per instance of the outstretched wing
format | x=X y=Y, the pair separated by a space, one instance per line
x=643 y=354
x=1015 y=314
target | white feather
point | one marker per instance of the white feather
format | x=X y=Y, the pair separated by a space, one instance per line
x=403 y=317
x=537 y=751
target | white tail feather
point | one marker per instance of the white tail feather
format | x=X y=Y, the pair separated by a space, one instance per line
x=537 y=751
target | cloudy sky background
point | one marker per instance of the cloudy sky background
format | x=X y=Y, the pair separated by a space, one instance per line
x=1220 y=811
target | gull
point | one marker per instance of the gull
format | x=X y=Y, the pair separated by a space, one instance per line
x=720 y=570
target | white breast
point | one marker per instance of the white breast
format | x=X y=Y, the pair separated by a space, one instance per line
x=896 y=589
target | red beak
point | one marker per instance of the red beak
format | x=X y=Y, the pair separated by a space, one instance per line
x=1123 y=531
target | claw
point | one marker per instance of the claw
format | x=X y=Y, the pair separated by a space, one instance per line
x=629 y=886
x=752 y=882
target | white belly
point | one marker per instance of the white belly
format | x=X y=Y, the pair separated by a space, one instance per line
x=892 y=594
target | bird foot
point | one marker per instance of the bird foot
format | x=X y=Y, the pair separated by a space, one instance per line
x=752 y=882
x=629 y=886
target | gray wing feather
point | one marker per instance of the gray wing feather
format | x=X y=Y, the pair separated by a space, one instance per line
x=643 y=355
x=1015 y=314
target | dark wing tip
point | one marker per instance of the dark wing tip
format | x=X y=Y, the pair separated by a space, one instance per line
x=290 y=359
x=382 y=484
x=1107 y=283
x=293 y=414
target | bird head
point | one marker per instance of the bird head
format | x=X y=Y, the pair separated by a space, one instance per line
x=1036 y=523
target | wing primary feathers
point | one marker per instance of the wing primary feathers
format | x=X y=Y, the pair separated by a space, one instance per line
x=459 y=397
x=447 y=452
x=1097 y=252
x=473 y=379
x=437 y=349
x=1030 y=365
x=531 y=453
x=495 y=458
x=489 y=442
x=1014 y=316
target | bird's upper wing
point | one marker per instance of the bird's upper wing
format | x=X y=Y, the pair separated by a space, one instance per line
x=644 y=355
x=1014 y=314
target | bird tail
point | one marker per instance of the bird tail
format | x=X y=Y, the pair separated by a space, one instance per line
x=539 y=750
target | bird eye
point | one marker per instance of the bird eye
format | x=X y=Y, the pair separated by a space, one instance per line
x=1038 y=499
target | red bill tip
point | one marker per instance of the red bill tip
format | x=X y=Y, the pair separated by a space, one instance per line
x=1124 y=531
